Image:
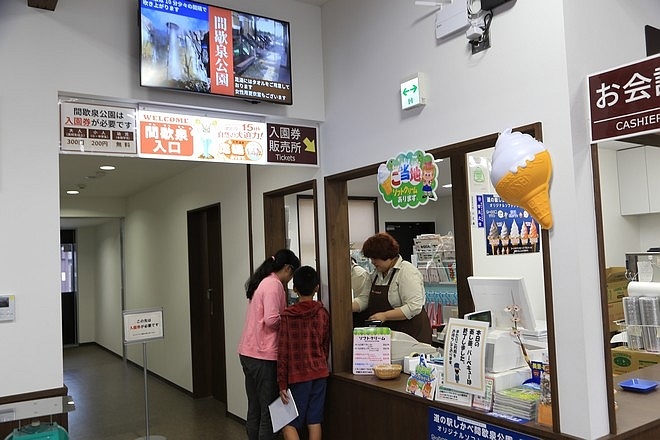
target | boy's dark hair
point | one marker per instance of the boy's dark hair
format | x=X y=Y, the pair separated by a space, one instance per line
x=305 y=280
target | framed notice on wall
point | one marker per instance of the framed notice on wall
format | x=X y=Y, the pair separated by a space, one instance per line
x=143 y=325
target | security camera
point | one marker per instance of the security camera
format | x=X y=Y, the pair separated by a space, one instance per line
x=474 y=33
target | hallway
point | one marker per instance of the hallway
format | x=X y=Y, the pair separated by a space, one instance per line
x=109 y=399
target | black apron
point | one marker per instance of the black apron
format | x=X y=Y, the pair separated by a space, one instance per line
x=419 y=326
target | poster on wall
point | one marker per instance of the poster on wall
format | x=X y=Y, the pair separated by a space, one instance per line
x=89 y=127
x=508 y=229
x=408 y=180
x=165 y=135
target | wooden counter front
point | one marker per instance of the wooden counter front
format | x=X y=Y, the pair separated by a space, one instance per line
x=365 y=407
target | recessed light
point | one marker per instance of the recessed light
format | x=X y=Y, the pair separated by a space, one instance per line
x=73 y=192
x=107 y=167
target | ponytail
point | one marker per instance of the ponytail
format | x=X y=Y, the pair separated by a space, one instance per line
x=272 y=264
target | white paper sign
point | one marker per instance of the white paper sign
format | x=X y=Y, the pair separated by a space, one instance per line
x=143 y=325
x=465 y=356
x=371 y=346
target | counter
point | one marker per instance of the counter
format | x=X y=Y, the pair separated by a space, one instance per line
x=367 y=407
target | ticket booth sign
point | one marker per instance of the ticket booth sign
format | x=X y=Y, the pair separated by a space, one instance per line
x=625 y=101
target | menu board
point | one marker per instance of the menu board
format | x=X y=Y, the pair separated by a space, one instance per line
x=371 y=347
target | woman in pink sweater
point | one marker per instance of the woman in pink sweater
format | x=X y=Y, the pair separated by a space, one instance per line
x=266 y=292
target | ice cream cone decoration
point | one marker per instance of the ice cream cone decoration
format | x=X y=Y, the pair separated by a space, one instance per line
x=521 y=174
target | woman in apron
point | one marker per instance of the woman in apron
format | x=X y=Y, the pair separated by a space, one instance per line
x=397 y=294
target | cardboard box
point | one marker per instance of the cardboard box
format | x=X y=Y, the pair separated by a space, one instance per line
x=625 y=360
x=615 y=274
x=614 y=313
x=617 y=290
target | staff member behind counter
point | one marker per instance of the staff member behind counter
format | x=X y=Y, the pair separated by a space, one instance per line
x=397 y=294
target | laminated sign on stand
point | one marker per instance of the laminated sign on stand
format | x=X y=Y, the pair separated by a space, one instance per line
x=142 y=326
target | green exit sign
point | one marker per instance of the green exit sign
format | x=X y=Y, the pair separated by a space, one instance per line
x=412 y=92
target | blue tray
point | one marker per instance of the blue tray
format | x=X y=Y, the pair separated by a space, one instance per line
x=638 y=385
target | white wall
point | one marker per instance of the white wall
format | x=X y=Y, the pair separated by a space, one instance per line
x=90 y=47
x=108 y=284
x=526 y=76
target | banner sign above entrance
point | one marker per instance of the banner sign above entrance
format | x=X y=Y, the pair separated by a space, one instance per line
x=292 y=144
x=625 y=101
x=97 y=128
x=89 y=126
x=188 y=137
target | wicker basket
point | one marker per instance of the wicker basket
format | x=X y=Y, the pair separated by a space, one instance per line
x=387 y=371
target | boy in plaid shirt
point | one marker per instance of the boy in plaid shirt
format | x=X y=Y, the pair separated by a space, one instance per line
x=302 y=359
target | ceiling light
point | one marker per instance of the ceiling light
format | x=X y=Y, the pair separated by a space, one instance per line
x=424 y=3
x=73 y=192
x=107 y=167
x=447 y=185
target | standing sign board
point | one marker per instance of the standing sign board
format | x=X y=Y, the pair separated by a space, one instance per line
x=371 y=346
x=465 y=356
x=143 y=325
x=625 y=101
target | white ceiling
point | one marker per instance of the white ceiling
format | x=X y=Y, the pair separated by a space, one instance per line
x=314 y=2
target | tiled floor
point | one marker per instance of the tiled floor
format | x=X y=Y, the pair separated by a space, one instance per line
x=109 y=399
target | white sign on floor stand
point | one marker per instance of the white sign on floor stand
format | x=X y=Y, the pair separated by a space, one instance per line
x=143 y=326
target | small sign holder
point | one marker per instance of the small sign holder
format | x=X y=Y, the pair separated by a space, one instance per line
x=142 y=326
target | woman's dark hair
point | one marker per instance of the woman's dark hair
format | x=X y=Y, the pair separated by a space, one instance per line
x=381 y=246
x=270 y=265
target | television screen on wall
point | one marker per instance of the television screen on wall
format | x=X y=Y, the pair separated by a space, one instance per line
x=196 y=47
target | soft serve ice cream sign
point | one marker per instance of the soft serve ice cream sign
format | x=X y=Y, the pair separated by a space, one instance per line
x=408 y=180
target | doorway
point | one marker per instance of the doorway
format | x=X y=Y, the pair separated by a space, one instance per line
x=207 y=325
x=69 y=287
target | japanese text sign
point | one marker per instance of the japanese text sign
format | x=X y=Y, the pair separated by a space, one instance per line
x=509 y=228
x=143 y=325
x=444 y=425
x=292 y=144
x=625 y=101
x=188 y=137
x=371 y=347
x=465 y=356
x=408 y=180
x=97 y=128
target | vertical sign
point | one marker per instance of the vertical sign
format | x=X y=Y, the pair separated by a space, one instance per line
x=222 y=55
x=625 y=101
x=97 y=128
x=371 y=347
x=465 y=356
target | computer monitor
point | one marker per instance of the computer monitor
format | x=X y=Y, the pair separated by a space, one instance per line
x=498 y=293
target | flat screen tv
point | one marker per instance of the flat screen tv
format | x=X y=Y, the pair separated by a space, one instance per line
x=200 y=48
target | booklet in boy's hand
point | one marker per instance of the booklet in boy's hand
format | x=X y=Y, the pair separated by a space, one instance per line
x=281 y=414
